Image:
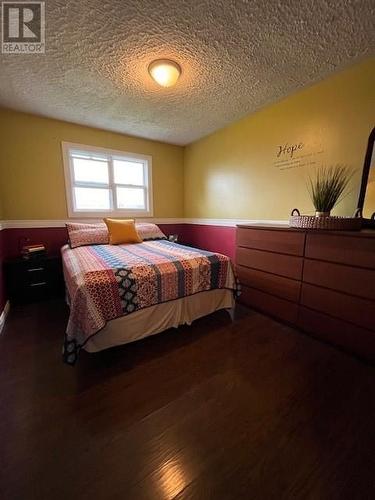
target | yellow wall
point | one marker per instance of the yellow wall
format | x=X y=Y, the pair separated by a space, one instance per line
x=232 y=174
x=31 y=168
x=229 y=174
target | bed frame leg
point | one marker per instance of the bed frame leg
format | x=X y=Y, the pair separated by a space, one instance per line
x=231 y=312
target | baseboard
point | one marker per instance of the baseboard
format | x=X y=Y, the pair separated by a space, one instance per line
x=3 y=315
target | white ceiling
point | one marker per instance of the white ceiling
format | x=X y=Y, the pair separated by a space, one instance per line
x=236 y=55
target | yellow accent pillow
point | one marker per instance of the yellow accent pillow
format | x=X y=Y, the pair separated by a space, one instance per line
x=122 y=231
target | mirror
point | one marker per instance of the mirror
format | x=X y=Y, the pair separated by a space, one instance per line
x=366 y=201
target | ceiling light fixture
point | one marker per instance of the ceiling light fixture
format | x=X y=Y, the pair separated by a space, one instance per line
x=165 y=72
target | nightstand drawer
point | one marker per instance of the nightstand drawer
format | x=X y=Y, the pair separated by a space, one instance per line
x=38 y=284
x=33 y=292
x=35 y=269
x=35 y=274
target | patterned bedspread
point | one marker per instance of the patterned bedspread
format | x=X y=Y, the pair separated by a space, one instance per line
x=108 y=281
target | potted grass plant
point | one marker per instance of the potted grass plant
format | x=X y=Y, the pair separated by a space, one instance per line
x=328 y=188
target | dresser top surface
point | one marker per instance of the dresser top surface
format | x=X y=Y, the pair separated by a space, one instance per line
x=363 y=233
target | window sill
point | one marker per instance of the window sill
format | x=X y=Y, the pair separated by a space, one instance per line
x=90 y=214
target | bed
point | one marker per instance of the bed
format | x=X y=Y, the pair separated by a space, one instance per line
x=121 y=293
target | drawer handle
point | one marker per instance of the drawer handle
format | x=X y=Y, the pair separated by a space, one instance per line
x=39 y=284
x=35 y=269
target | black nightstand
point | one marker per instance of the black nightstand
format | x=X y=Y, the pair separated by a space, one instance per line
x=35 y=279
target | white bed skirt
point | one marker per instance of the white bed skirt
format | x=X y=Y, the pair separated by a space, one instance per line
x=160 y=317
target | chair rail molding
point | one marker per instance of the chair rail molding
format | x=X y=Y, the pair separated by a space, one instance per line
x=40 y=223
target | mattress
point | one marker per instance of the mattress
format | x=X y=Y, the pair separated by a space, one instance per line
x=105 y=282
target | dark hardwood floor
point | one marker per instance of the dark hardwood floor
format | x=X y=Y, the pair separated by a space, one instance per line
x=218 y=410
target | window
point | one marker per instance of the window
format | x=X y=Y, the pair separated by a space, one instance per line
x=103 y=182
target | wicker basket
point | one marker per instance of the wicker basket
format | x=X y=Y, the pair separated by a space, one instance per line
x=332 y=223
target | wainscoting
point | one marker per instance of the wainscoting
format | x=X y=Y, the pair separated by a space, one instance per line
x=220 y=239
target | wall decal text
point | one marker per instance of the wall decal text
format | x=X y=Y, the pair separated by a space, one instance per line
x=296 y=155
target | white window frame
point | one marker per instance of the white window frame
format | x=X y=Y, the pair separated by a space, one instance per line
x=110 y=154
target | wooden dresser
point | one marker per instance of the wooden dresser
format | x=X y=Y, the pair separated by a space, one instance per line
x=320 y=281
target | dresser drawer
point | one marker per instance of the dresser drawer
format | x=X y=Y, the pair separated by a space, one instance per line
x=283 y=265
x=276 y=285
x=279 y=308
x=333 y=330
x=356 y=310
x=350 y=250
x=351 y=280
x=284 y=241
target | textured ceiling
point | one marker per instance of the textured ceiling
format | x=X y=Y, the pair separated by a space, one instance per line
x=237 y=56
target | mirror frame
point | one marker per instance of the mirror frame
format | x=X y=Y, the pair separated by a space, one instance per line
x=365 y=174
